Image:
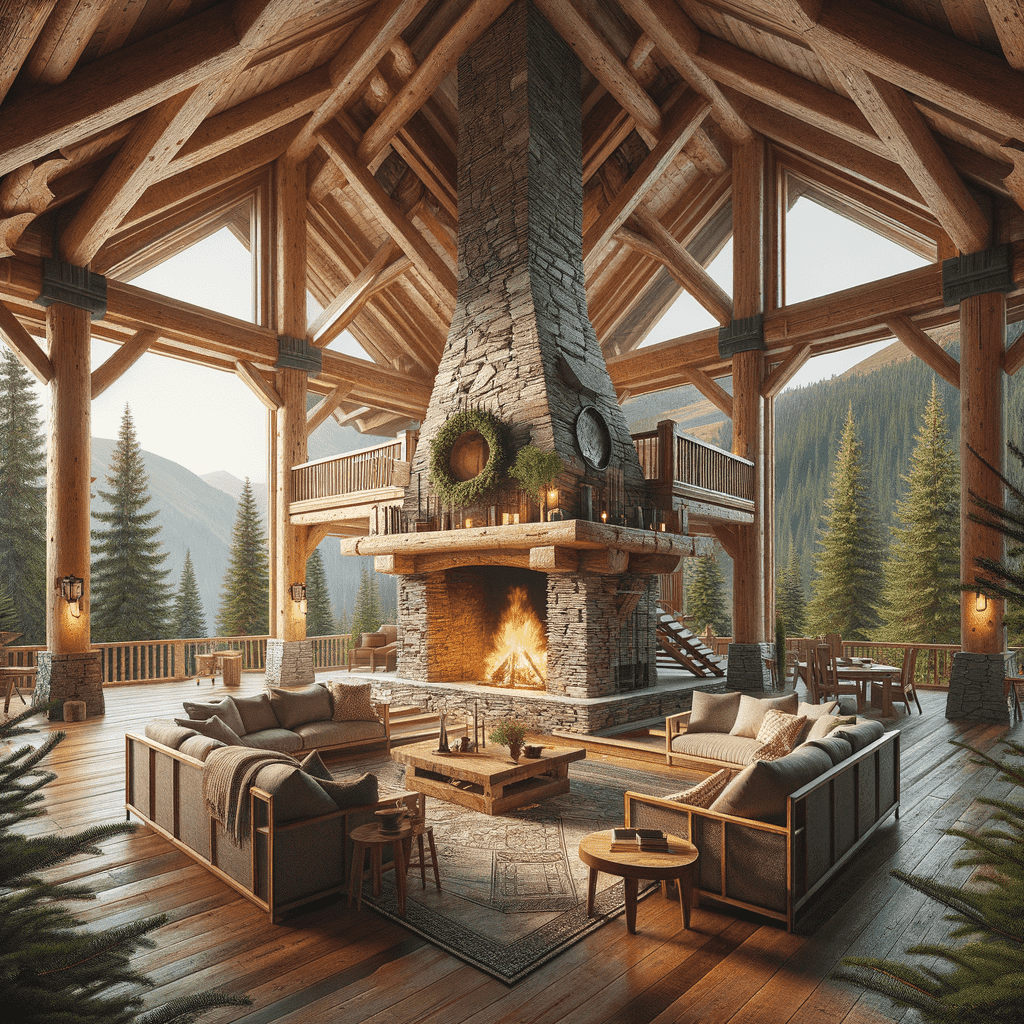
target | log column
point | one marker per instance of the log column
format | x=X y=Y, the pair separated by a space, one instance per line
x=289 y=652
x=979 y=281
x=69 y=669
x=743 y=339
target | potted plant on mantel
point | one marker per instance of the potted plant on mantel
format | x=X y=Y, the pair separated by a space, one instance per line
x=510 y=733
x=536 y=470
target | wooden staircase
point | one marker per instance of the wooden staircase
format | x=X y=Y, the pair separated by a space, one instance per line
x=679 y=647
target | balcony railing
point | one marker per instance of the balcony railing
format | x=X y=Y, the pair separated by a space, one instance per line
x=683 y=471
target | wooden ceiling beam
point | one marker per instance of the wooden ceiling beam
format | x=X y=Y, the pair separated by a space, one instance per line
x=925 y=348
x=386 y=211
x=1013 y=357
x=684 y=268
x=900 y=125
x=25 y=347
x=1008 y=21
x=122 y=358
x=20 y=26
x=711 y=390
x=679 y=39
x=777 y=380
x=251 y=377
x=475 y=20
x=358 y=56
x=63 y=40
x=326 y=406
x=360 y=283
x=684 y=121
x=603 y=63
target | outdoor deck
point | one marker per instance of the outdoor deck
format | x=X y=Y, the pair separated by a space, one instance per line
x=336 y=965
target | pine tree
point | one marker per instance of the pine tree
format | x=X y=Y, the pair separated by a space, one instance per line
x=342 y=626
x=189 y=620
x=55 y=967
x=921 y=600
x=789 y=596
x=985 y=982
x=705 y=600
x=245 y=595
x=8 y=613
x=22 y=501
x=848 y=562
x=130 y=597
x=366 y=616
x=319 y=616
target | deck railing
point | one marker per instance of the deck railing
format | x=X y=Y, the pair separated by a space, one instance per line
x=684 y=466
x=369 y=469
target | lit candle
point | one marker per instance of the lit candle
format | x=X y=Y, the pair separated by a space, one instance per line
x=604 y=517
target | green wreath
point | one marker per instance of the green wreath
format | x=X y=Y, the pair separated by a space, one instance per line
x=466 y=492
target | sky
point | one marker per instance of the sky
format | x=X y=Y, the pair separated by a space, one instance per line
x=208 y=420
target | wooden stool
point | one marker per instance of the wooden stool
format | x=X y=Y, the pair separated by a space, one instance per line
x=370 y=838
x=419 y=830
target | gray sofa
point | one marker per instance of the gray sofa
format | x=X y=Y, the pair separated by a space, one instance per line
x=321 y=716
x=780 y=829
x=287 y=843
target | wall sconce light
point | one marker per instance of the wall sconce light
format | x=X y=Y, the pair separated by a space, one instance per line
x=981 y=602
x=71 y=589
x=299 y=596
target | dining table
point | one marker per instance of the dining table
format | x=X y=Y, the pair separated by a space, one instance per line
x=867 y=672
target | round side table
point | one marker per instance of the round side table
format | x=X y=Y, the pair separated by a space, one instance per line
x=370 y=838
x=676 y=865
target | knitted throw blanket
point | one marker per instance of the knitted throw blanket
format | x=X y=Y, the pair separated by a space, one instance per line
x=228 y=775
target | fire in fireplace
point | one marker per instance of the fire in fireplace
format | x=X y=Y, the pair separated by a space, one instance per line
x=520 y=653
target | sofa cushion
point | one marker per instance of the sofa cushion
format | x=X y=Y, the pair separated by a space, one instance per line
x=812 y=712
x=352 y=791
x=759 y=791
x=199 y=747
x=777 y=734
x=753 y=709
x=224 y=709
x=704 y=793
x=861 y=734
x=216 y=728
x=713 y=712
x=824 y=724
x=305 y=704
x=312 y=764
x=333 y=734
x=170 y=734
x=836 y=747
x=351 y=702
x=256 y=712
x=296 y=795
x=282 y=741
x=737 y=750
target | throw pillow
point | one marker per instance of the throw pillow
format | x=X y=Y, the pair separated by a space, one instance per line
x=812 y=712
x=824 y=724
x=312 y=764
x=224 y=709
x=256 y=712
x=705 y=792
x=352 y=702
x=352 y=791
x=753 y=709
x=304 y=704
x=215 y=728
x=778 y=735
x=713 y=712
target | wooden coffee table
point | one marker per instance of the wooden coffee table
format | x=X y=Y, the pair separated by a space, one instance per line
x=677 y=865
x=488 y=780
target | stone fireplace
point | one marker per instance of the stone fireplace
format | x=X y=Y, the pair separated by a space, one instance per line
x=522 y=366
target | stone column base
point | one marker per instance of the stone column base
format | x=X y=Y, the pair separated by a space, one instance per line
x=747 y=669
x=976 y=687
x=289 y=662
x=62 y=677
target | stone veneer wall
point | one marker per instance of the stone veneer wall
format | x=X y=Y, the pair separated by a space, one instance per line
x=747 y=668
x=289 y=662
x=976 y=687
x=62 y=677
x=521 y=286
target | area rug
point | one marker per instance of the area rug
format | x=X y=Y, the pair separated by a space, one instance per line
x=513 y=889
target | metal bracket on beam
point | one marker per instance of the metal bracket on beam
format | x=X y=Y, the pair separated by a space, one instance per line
x=74 y=286
x=298 y=354
x=745 y=335
x=977 y=273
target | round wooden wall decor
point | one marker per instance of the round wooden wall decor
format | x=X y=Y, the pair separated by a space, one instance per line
x=469 y=455
x=593 y=437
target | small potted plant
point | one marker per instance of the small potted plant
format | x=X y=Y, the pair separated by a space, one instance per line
x=511 y=734
x=536 y=471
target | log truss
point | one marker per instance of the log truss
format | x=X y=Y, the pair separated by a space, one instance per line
x=129 y=131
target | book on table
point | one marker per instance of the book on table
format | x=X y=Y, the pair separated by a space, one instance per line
x=625 y=840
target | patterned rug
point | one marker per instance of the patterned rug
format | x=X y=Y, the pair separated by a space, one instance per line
x=513 y=889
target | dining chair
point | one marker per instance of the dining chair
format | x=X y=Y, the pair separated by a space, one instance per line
x=835 y=641
x=907 y=693
x=829 y=685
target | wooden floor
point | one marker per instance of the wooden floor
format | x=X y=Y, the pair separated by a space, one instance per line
x=335 y=965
